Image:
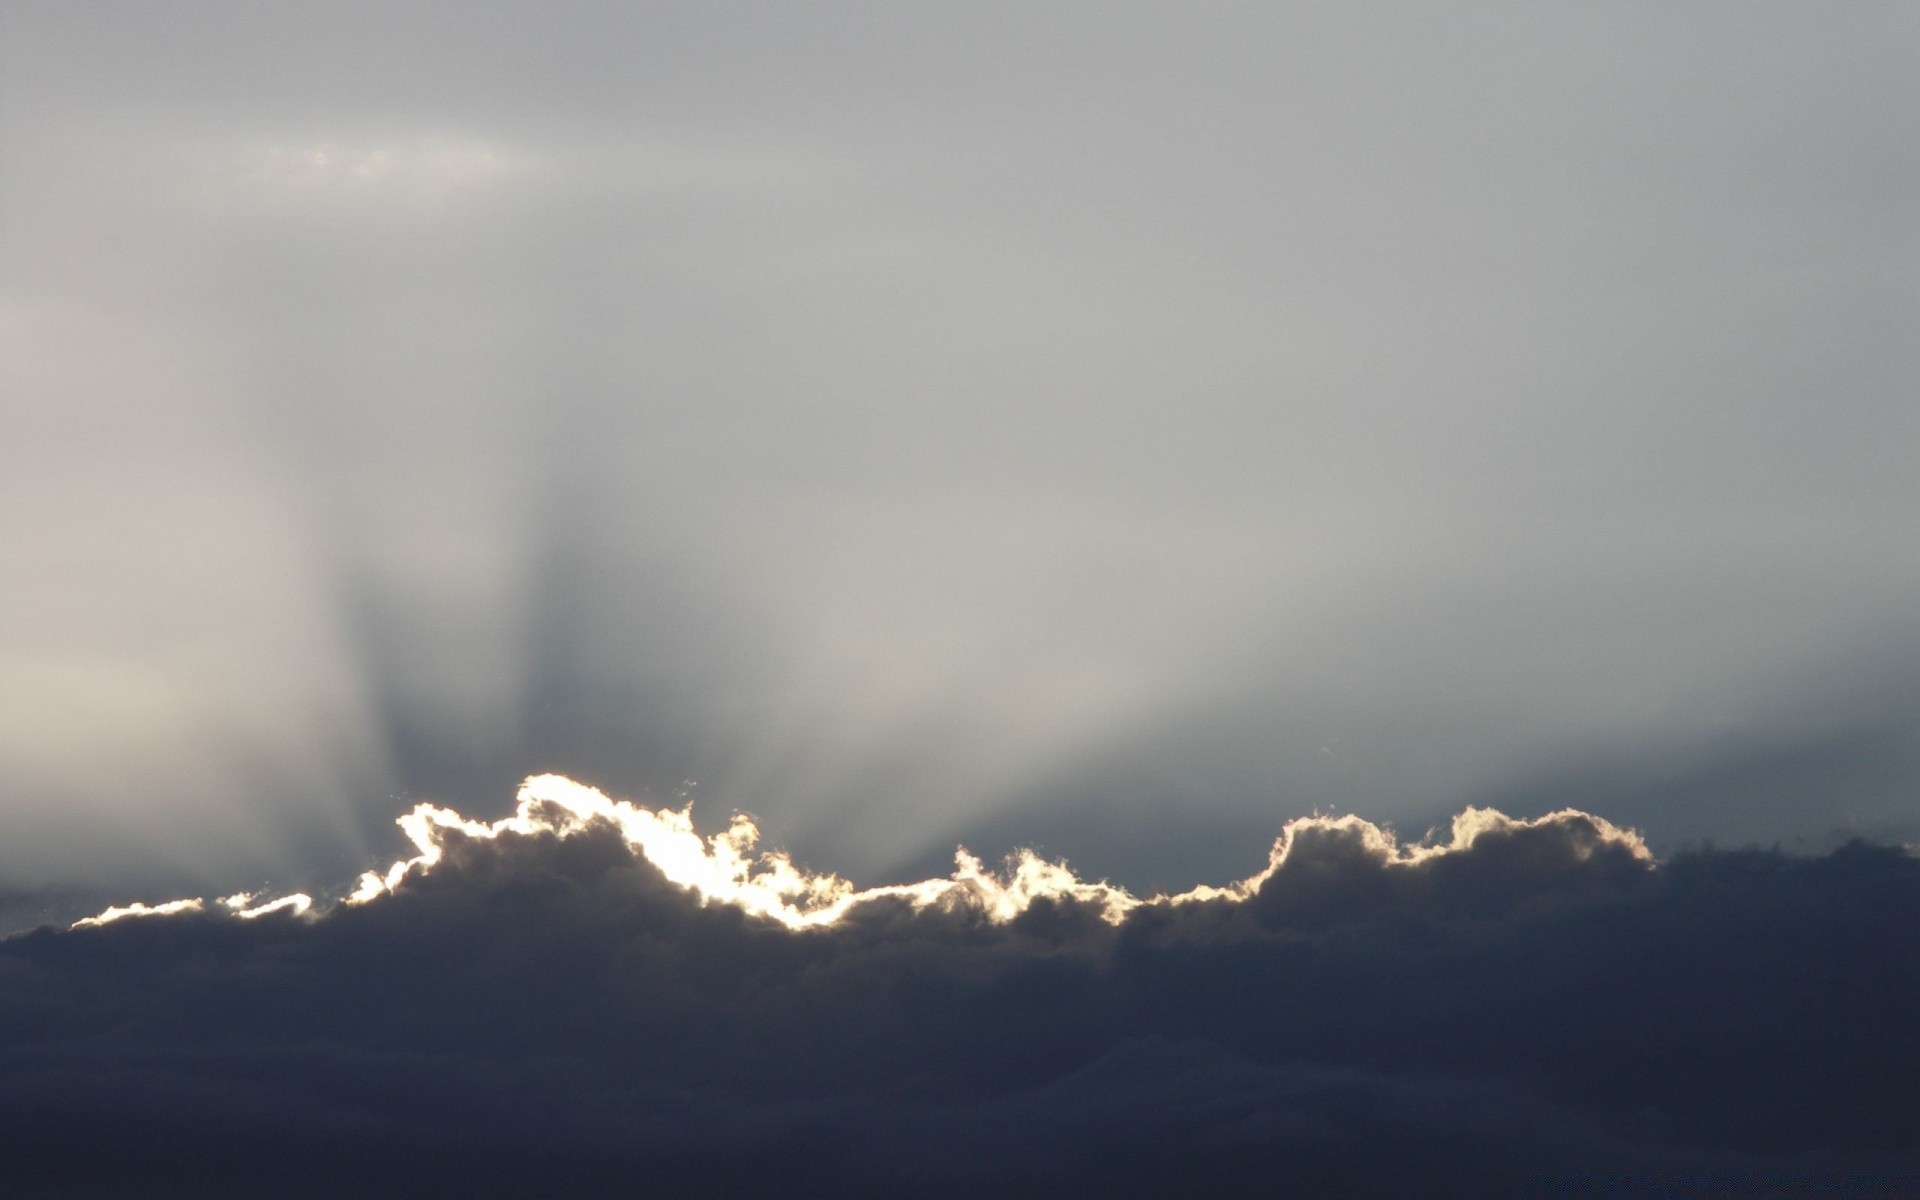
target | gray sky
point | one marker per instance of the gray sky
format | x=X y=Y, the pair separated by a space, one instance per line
x=1121 y=427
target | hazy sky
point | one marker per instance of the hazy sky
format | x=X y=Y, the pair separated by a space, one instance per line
x=1117 y=426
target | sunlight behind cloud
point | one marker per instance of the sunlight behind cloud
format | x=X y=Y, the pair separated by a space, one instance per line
x=137 y=909
x=241 y=905
x=730 y=868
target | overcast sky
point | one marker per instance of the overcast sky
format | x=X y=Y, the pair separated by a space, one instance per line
x=1119 y=427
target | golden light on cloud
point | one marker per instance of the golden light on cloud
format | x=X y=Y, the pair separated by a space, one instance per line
x=242 y=905
x=137 y=909
x=730 y=868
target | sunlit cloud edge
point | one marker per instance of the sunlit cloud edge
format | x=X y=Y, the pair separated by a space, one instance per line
x=730 y=868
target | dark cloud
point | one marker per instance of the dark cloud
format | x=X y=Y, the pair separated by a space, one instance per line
x=1519 y=1007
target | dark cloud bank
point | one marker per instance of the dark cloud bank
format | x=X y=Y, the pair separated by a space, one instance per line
x=1538 y=1009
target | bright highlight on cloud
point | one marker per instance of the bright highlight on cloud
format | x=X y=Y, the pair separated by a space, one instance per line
x=138 y=909
x=729 y=868
x=242 y=906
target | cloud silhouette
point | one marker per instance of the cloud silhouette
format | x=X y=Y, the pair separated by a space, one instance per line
x=591 y=997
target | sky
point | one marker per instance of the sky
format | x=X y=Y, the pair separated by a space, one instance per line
x=1116 y=429
x=1044 y=599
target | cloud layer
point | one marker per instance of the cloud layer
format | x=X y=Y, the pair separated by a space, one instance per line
x=591 y=997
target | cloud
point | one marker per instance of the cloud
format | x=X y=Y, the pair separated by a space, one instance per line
x=137 y=909
x=591 y=995
x=1311 y=854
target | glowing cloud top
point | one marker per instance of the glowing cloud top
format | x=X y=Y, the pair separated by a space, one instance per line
x=730 y=868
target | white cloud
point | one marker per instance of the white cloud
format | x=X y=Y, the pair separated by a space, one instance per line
x=137 y=909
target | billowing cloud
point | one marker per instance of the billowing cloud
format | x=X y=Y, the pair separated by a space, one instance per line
x=728 y=868
x=592 y=995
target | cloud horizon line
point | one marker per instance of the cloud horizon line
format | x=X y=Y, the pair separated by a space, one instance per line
x=731 y=868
